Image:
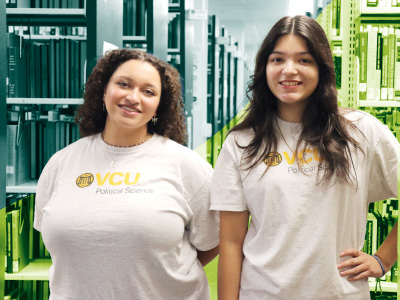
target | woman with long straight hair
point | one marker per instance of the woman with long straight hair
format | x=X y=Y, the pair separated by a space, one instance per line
x=306 y=171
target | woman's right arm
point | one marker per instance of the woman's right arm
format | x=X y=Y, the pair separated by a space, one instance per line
x=233 y=229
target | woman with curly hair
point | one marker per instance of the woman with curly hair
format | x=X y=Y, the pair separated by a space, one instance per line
x=124 y=211
x=306 y=171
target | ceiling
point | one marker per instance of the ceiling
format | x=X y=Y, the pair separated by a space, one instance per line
x=248 y=20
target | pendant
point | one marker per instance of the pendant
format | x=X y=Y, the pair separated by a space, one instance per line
x=112 y=164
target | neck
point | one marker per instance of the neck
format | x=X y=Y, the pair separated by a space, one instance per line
x=124 y=139
x=290 y=113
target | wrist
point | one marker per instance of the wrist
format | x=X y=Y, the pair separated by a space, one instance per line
x=381 y=264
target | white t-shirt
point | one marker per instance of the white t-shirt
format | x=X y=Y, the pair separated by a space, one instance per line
x=298 y=228
x=127 y=232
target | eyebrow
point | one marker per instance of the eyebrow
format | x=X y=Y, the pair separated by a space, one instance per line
x=298 y=53
x=130 y=79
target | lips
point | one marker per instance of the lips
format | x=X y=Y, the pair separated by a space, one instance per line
x=289 y=83
x=129 y=108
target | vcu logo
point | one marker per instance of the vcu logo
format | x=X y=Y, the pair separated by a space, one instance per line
x=84 y=180
x=273 y=159
x=116 y=178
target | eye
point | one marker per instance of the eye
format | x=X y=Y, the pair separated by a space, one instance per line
x=122 y=84
x=305 y=60
x=276 y=59
x=149 y=92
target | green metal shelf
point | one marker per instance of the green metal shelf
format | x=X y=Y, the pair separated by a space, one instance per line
x=71 y=101
x=389 y=287
x=40 y=37
x=46 y=16
x=27 y=187
x=37 y=269
x=377 y=103
x=134 y=39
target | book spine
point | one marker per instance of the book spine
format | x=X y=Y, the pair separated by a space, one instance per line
x=52 y=68
x=15 y=242
x=372 y=36
x=338 y=17
x=378 y=66
x=45 y=70
x=397 y=67
x=385 y=58
x=12 y=73
x=9 y=243
x=391 y=64
x=334 y=17
x=363 y=66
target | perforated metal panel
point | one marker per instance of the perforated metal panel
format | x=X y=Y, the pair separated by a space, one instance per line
x=349 y=83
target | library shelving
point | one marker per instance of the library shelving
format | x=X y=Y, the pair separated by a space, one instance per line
x=223 y=78
x=67 y=41
x=366 y=58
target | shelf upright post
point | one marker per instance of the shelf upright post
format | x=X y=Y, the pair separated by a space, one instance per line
x=186 y=51
x=215 y=88
x=3 y=140
x=157 y=28
x=102 y=27
x=349 y=84
x=199 y=18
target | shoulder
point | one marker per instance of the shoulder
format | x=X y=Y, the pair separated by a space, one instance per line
x=366 y=123
x=237 y=140
x=371 y=129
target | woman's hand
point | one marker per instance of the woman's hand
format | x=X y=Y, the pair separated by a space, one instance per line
x=361 y=265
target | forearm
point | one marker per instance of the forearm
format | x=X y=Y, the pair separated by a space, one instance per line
x=229 y=270
x=387 y=252
x=206 y=256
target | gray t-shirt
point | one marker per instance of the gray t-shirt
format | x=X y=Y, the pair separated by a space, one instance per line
x=298 y=227
x=127 y=231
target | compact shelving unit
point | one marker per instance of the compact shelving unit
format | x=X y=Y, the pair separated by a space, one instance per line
x=98 y=18
x=354 y=14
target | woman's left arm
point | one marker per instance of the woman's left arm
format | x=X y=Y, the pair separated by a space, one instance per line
x=362 y=265
x=207 y=256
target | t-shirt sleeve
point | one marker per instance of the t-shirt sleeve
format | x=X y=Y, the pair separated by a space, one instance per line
x=384 y=168
x=203 y=229
x=44 y=190
x=226 y=187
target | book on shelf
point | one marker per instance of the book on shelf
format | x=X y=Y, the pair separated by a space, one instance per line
x=37 y=80
x=373 y=80
x=141 y=17
x=380 y=3
x=385 y=63
x=17 y=227
x=391 y=64
x=362 y=51
x=17 y=66
x=334 y=16
x=17 y=170
x=397 y=66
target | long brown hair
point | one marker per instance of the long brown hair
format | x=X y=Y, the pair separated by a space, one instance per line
x=171 y=121
x=324 y=125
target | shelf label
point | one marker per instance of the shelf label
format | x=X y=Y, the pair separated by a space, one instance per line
x=197 y=14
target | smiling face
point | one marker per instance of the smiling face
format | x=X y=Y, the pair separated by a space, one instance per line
x=292 y=76
x=131 y=98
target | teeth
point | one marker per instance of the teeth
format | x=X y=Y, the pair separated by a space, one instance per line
x=128 y=108
x=290 y=83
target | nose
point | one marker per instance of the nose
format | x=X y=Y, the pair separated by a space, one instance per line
x=289 y=68
x=133 y=96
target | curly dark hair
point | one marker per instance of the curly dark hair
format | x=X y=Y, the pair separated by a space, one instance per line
x=324 y=124
x=171 y=121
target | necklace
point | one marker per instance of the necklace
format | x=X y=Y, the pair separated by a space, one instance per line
x=118 y=146
x=109 y=153
x=279 y=128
